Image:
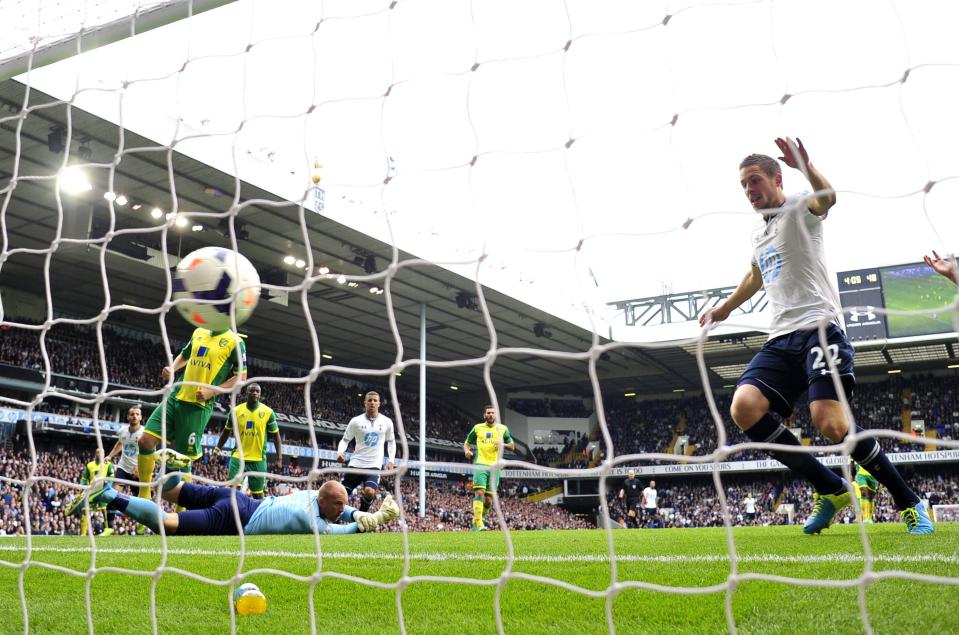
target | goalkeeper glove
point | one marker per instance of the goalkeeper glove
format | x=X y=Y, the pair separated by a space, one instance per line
x=365 y=521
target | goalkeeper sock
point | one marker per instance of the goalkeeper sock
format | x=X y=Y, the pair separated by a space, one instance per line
x=868 y=454
x=142 y=510
x=146 y=461
x=477 y=513
x=768 y=430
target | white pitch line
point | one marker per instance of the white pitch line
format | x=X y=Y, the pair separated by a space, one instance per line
x=852 y=558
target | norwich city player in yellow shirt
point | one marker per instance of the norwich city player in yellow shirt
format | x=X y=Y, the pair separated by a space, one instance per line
x=254 y=420
x=486 y=437
x=866 y=488
x=214 y=358
x=97 y=468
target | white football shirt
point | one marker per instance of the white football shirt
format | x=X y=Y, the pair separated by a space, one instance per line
x=370 y=436
x=788 y=249
x=750 y=503
x=128 y=443
x=650 y=495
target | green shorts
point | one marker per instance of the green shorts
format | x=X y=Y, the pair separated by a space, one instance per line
x=486 y=479
x=867 y=482
x=257 y=483
x=185 y=425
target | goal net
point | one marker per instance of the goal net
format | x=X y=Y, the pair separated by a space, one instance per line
x=447 y=202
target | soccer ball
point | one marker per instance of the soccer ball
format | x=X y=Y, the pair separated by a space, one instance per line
x=249 y=600
x=214 y=273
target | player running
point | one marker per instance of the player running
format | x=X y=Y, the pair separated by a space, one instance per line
x=487 y=437
x=789 y=262
x=371 y=431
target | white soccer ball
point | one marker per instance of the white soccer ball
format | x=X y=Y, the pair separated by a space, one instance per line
x=249 y=600
x=215 y=273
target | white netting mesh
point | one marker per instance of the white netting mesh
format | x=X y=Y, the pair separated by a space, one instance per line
x=525 y=146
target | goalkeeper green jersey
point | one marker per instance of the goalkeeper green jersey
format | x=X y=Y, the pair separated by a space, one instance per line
x=254 y=426
x=487 y=440
x=211 y=359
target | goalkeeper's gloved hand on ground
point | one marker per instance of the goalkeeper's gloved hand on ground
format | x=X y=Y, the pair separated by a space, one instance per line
x=365 y=521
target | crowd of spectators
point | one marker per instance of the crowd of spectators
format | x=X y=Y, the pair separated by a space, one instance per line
x=448 y=503
x=137 y=362
x=651 y=425
x=550 y=407
x=449 y=508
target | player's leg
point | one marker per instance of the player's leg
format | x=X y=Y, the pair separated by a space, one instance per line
x=142 y=510
x=257 y=483
x=351 y=481
x=492 y=486
x=233 y=470
x=187 y=440
x=371 y=486
x=829 y=418
x=480 y=480
x=217 y=517
x=127 y=476
x=772 y=382
x=150 y=439
x=769 y=385
x=109 y=519
x=867 y=496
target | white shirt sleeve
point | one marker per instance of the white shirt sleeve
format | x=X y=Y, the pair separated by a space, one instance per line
x=345 y=441
x=391 y=444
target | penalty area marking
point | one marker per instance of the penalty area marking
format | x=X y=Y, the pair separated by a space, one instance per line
x=938 y=558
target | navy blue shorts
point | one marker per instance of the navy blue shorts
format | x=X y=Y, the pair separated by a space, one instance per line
x=122 y=473
x=790 y=364
x=352 y=479
x=210 y=510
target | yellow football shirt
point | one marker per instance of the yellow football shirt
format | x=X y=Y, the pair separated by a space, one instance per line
x=487 y=440
x=253 y=426
x=211 y=359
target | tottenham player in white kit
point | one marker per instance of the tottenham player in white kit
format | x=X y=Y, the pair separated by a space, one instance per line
x=789 y=262
x=126 y=446
x=370 y=430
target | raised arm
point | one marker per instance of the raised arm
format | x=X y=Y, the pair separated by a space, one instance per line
x=945 y=267
x=750 y=284
x=796 y=157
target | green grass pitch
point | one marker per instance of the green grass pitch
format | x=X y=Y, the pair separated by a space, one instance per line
x=344 y=604
x=919 y=294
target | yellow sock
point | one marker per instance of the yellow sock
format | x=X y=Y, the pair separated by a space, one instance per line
x=189 y=479
x=487 y=504
x=83 y=525
x=477 y=513
x=145 y=465
x=866 y=509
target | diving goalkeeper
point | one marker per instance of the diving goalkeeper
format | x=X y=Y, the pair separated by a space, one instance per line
x=210 y=510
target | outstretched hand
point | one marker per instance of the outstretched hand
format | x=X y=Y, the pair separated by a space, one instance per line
x=943 y=266
x=794 y=154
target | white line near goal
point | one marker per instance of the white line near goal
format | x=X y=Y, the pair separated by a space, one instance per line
x=939 y=558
